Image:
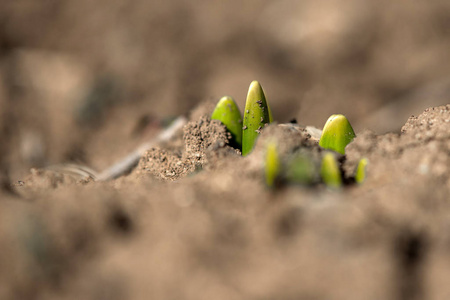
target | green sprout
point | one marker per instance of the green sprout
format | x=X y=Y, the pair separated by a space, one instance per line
x=330 y=172
x=228 y=113
x=301 y=169
x=337 y=134
x=360 y=174
x=273 y=164
x=256 y=115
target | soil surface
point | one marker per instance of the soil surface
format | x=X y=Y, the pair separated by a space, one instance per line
x=83 y=84
x=195 y=220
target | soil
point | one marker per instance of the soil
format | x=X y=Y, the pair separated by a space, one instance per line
x=85 y=83
x=195 y=220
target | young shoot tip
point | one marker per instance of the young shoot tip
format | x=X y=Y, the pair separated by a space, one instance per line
x=336 y=134
x=272 y=163
x=360 y=174
x=228 y=113
x=257 y=115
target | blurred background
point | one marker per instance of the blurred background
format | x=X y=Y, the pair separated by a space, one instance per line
x=86 y=81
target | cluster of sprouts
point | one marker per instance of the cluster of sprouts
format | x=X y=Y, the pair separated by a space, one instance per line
x=336 y=135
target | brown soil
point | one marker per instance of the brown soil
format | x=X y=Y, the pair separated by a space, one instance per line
x=195 y=220
x=85 y=83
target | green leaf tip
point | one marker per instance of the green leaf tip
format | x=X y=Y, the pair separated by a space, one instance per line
x=330 y=172
x=256 y=116
x=337 y=134
x=228 y=113
x=360 y=174
x=272 y=164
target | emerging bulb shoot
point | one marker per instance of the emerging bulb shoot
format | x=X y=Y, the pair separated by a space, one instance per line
x=337 y=134
x=330 y=172
x=228 y=113
x=256 y=116
x=360 y=174
x=272 y=164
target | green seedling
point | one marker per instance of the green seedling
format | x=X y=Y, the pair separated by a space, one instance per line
x=273 y=164
x=337 y=134
x=360 y=174
x=228 y=113
x=256 y=116
x=330 y=172
x=301 y=169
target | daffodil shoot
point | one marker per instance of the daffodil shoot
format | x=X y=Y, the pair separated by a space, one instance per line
x=256 y=116
x=228 y=113
x=360 y=175
x=330 y=172
x=272 y=163
x=337 y=134
x=301 y=169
